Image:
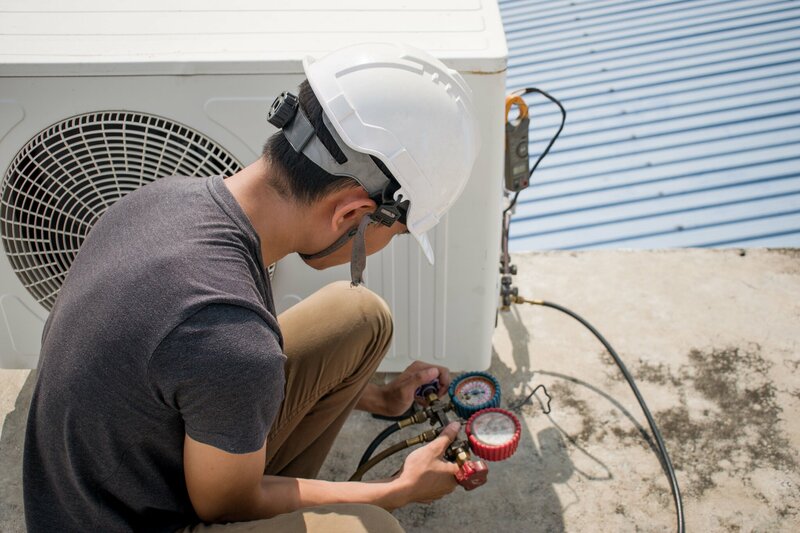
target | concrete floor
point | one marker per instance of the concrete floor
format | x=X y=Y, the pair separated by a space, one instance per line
x=713 y=339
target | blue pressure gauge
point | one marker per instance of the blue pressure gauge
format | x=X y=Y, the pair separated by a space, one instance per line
x=473 y=391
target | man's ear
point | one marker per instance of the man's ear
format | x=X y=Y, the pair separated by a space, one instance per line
x=349 y=207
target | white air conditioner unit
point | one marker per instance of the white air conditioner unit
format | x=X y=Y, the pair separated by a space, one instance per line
x=98 y=98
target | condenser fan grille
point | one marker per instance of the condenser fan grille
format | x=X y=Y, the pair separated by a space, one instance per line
x=64 y=178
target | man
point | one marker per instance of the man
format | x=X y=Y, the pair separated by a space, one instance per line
x=170 y=396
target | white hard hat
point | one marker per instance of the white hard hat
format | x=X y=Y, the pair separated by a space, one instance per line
x=405 y=107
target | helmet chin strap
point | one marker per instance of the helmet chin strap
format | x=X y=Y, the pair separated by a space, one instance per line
x=387 y=214
x=358 y=259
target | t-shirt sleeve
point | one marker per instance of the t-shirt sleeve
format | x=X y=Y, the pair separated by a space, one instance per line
x=222 y=369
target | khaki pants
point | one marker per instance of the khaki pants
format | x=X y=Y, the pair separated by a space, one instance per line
x=334 y=341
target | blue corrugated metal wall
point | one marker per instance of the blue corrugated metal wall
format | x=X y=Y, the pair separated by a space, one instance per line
x=683 y=125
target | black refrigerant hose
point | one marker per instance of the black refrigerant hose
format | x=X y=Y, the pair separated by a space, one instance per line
x=664 y=456
x=391 y=450
x=376 y=442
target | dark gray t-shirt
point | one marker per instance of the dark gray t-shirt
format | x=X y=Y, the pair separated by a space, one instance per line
x=165 y=325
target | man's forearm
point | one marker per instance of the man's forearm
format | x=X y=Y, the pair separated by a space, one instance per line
x=372 y=400
x=279 y=495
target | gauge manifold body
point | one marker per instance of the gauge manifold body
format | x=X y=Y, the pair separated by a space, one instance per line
x=493 y=434
x=473 y=391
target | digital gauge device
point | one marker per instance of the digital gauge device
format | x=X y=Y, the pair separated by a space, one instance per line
x=473 y=391
x=493 y=434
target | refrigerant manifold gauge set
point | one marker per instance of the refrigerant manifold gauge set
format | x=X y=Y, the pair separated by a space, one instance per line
x=492 y=433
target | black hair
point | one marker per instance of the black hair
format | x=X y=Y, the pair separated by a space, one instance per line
x=298 y=177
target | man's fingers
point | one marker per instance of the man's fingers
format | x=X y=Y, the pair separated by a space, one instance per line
x=444 y=380
x=448 y=435
x=426 y=376
x=418 y=364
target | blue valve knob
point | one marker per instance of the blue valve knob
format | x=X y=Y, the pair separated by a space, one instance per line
x=423 y=391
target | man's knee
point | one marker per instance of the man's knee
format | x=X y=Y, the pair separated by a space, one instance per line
x=377 y=519
x=371 y=517
x=368 y=309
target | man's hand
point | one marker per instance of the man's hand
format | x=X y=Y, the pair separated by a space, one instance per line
x=426 y=476
x=395 y=398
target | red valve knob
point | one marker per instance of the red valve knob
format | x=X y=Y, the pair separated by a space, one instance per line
x=493 y=434
x=472 y=474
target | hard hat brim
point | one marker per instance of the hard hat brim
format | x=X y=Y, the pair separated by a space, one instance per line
x=425 y=244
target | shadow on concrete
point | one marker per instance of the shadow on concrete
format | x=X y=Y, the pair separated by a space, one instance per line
x=12 y=437
x=550 y=459
x=544 y=455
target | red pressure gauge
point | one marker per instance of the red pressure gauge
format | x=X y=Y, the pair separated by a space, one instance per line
x=493 y=434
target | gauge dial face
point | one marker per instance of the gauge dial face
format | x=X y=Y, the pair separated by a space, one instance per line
x=475 y=391
x=493 y=428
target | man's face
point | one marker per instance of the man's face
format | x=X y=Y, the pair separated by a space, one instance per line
x=376 y=237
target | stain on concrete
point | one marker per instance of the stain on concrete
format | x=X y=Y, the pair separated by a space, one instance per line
x=791 y=267
x=610 y=370
x=791 y=364
x=790 y=252
x=740 y=434
x=728 y=525
x=654 y=373
x=418 y=515
x=564 y=395
x=788 y=510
